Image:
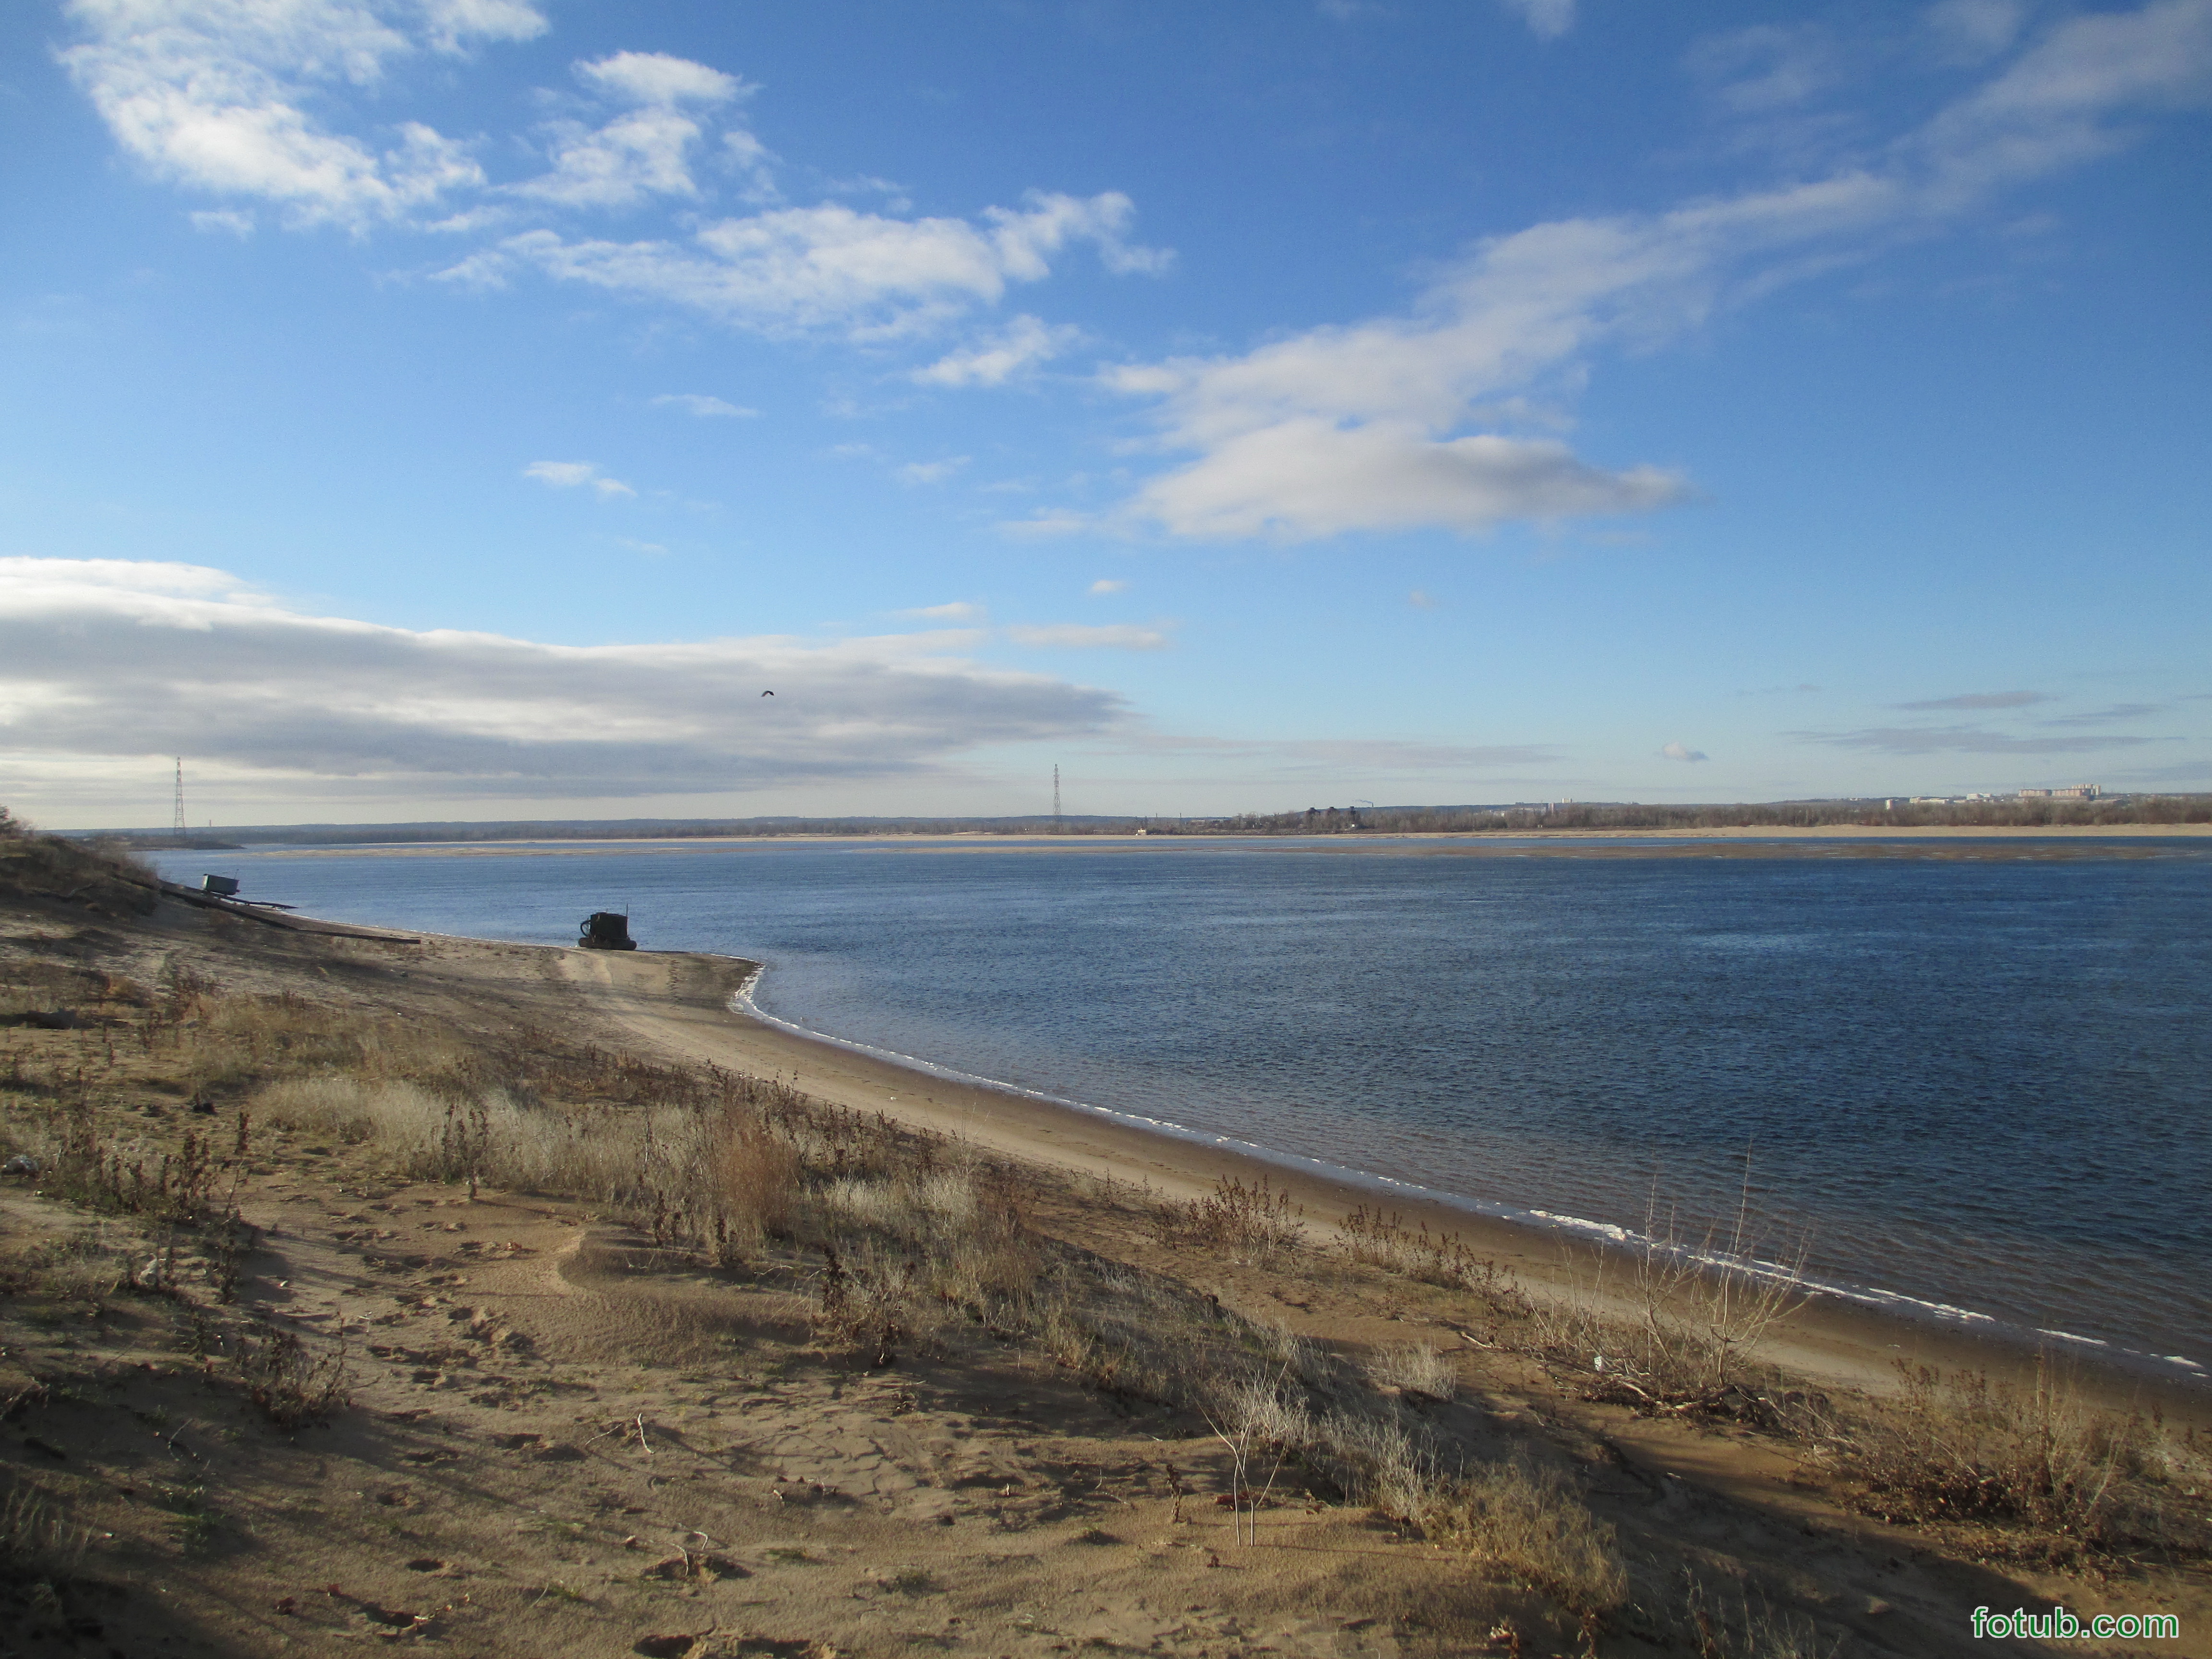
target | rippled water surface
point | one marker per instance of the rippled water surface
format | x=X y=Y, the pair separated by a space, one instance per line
x=1981 y=1082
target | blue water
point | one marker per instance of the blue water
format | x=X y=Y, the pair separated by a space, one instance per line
x=1977 y=1083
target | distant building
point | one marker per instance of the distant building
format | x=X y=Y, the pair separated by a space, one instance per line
x=2072 y=792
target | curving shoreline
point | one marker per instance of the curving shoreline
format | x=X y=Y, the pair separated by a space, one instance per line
x=1543 y=1224
x=695 y=1005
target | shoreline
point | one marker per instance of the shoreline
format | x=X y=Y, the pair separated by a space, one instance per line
x=699 y=1005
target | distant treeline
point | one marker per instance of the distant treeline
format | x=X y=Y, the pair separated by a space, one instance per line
x=1519 y=818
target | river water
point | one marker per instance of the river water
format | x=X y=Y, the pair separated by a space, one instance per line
x=1973 y=1083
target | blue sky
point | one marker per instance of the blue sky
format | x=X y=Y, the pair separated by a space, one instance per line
x=467 y=408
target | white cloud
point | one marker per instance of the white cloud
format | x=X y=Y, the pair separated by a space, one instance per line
x=930 y=472
x=654 y=77
x=2052 y=106
x=646 y=150
x=957 y=611
x=1421 y=601
x=832 y=267
x=1107 y=585
x=1682 y=751
x=1022 y=344
x=1081 y=636
x=1310 y=476
x=104 y=664
x=697 y=402
x=1364 y=426
x=217 y=94
x=229 y=221
x=570 y=475
x=1547 y=19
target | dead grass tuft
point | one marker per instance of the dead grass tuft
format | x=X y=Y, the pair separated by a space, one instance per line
x=38 y=1541
x=1523 y=1517
x=1417 y=1368
x=1253 y=1224
x=290 y=1386
x=1957 y=1446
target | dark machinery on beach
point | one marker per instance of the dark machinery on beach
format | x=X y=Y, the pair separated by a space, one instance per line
x=606 y=929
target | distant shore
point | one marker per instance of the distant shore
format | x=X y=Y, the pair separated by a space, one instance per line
x=1828 y=838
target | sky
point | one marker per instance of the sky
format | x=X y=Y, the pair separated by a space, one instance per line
x=452 y=409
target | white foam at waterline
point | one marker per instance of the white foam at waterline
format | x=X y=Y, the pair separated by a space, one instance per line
x=1868 y=1295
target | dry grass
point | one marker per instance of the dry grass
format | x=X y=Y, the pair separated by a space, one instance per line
x=2037 y=1458
x=1524 y=1518
x=1253 y=1224
x=38 y=1541
x=290 y=1386
x=1417 y=1368
x=107 y=880
x=1721 y=1625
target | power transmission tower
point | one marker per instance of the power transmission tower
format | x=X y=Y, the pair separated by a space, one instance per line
x=1055 y=797
x=183 y=834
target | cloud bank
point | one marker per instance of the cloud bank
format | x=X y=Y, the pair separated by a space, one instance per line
x=108 y=665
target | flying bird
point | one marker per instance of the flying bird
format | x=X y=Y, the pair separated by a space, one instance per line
x=768 y=693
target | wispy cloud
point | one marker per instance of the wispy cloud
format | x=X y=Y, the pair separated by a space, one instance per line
x=575 y=474
x=644 y=151
x=222 y=95
x=1106 y=584
x=218 y=96
x=1085 y=637
x=230 y=222
x=930 y=472
x=957 y=611
x=1765 y=67
x=1965 y=740
x=1547 y=19
x=1682 y=751
x=109 y=662
x=1975 y=30
x=695 y=402
x=1980 y=700
x=831 y=267
x=1365 y=426
x=1421 y=601
x=1048 y=521
x=1020 y=346
x=2106 y=716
